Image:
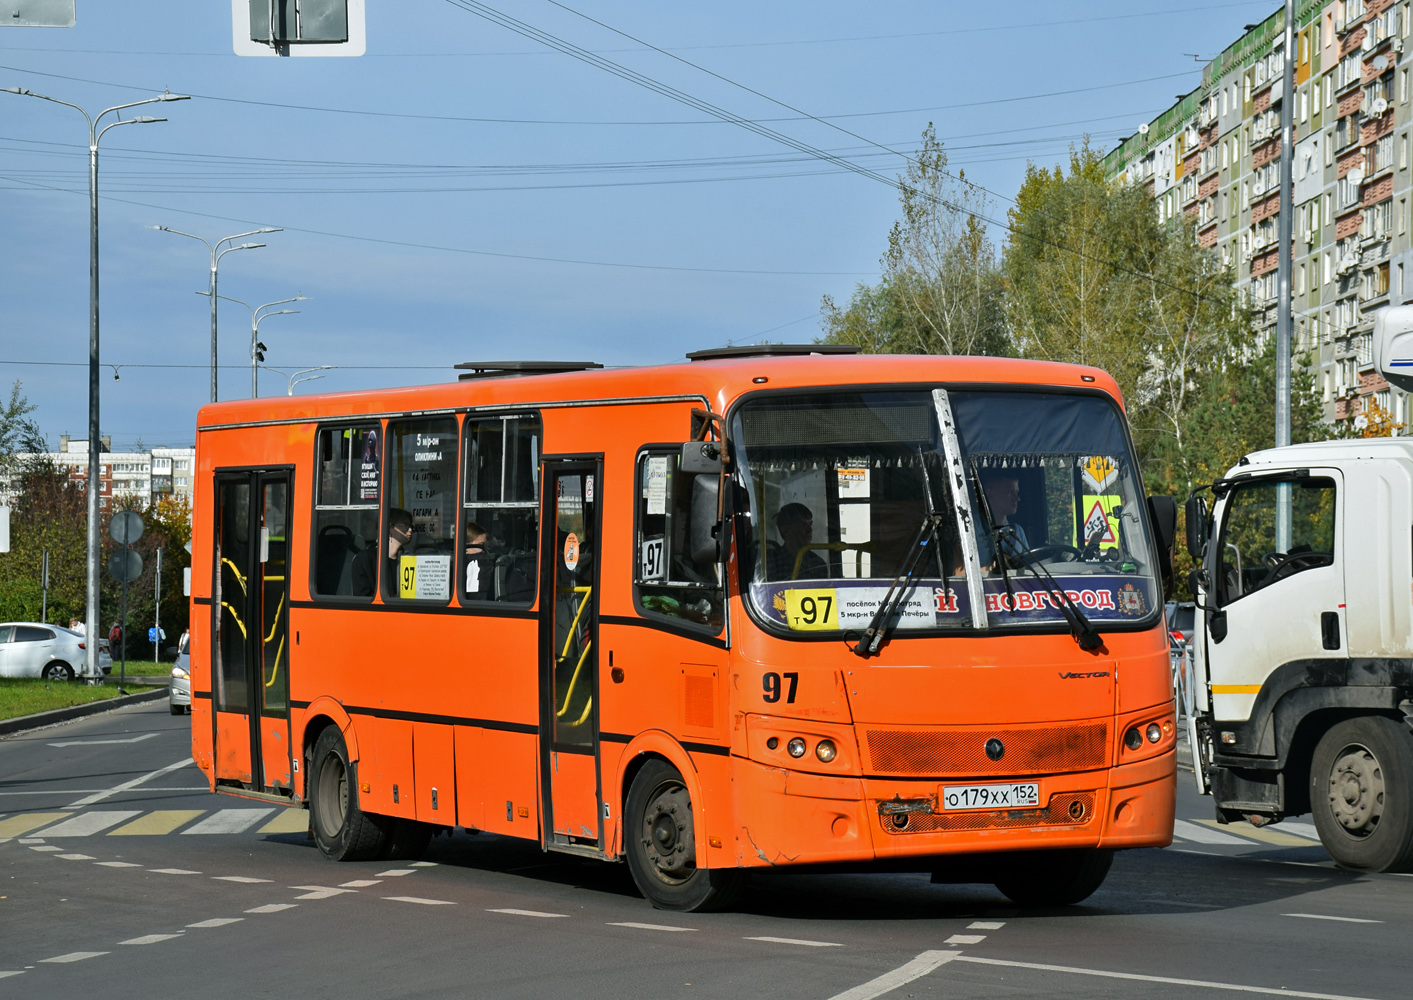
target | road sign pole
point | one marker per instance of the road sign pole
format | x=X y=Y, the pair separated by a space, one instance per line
x=44 y=589
x=157 y=612
x=123 y=638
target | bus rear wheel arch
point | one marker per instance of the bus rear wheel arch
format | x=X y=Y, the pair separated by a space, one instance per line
x=659 y=840
x=343 y=831
x=1361 y=783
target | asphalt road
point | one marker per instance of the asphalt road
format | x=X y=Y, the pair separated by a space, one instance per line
x=120 y=877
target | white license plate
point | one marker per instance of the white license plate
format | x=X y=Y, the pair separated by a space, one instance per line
x=1018 y=795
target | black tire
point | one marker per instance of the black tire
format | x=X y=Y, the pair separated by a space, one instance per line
x=1361 y=778
x=57 y=671
x=176 y=709
x=659 y=840
x=1055 y=878
x=343 y=831
x=407 y=840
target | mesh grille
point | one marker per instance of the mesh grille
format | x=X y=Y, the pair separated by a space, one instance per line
x=1056 y=813
x=962 y=752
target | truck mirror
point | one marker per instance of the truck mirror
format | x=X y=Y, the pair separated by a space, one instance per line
x=701 y=458
x=703 y=541
x=1195 y=516
x=1164 y=513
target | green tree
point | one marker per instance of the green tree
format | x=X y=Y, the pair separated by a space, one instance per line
x=19 y=433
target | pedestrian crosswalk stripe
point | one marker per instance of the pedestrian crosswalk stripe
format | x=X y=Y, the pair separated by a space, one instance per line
x=288 y=821
x=22 y=823
x=229 y=821
x=158 y=822
x=1262 y=834
x=1201 y=835
x=86 y=824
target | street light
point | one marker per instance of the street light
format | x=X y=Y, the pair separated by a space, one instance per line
x=256 y=318
x=216 y=254
x=294 y=379
x=91 y=623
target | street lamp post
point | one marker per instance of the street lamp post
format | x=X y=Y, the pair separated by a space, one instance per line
x=294 y=379
x=256 y=318
x=91 y=621
x=216 y=254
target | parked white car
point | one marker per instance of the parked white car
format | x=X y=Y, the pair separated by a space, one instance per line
x=179 y=688
x=32 y=649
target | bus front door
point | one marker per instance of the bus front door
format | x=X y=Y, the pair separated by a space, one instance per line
x=569 y=758
x=250 y=689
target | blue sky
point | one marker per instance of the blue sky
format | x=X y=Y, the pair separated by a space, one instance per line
x=462 y=192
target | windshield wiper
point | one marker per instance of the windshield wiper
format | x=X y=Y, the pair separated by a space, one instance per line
x=883 y=621
x=991 y=529
x=1083 y=632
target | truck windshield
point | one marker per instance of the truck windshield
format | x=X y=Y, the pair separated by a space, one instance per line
x=839 y=484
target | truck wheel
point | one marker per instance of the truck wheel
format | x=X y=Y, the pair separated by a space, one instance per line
x=1055 y=878
x=660 y=841
x=1361 y=779
x=343 y=831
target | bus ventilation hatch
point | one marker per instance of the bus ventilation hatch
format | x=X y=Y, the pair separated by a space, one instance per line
x=512 y=369
x=770 y=351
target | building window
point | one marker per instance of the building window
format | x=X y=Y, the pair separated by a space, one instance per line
x=1329 y=265
x=1403 y=151
x=1300 y=281
x=345 y=511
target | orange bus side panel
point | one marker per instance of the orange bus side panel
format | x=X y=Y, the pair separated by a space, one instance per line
x=576 y=805
x=468 y=745
x=392 y=790
x=233 y=746
x=791 y=818
x=507 y=771
x=435 y=766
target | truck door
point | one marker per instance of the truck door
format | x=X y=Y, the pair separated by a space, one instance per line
x=1276 y=569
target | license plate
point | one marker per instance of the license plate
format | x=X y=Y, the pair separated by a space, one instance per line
x=1019 y=795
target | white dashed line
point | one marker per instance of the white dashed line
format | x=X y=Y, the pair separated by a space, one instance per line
x=889 y=981
x=799 y=941
x=74 y=956
x=395 y=871
x=650 y=927
x=217 y=921
x=419 y=899
x=228 y=821
x=965 y=939
x=360 y=883
x=320 y=891
x=986 y=925
x=31 y=840
x=4 y=974
x=118 y=864
x=243 y=879
x=1322 y=916
x=75 y=857
x=150 y=939
x=100 y=796
x=173 y=871
x=272 y=908
x=526 y=913
x=423 y=864
x=46 y=847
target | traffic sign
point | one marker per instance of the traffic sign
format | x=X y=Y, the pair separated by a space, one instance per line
x=125 y=565
x=126 y=527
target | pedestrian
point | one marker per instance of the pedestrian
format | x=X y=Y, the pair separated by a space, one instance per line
x=76 y=626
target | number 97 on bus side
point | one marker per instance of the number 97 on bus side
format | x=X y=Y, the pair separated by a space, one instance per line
x=811 y=610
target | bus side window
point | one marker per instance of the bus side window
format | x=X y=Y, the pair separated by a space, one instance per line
x=346 y=507
x=670 y=581
x=500 y=508
x=419 y=482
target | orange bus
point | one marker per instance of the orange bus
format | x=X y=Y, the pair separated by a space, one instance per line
x=775 y=606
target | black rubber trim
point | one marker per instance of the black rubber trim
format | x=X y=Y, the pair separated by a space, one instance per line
x=201 y=694
x=659 y=625
x=706 y=748
x=419 y=608
x=203 y=601
x=615 y=738
x=446 y=720
x=299 y=704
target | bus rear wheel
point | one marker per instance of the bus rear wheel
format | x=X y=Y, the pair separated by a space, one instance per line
x=1361 y=777
x=1055 y=878
x=660 y=842
x=343 y=831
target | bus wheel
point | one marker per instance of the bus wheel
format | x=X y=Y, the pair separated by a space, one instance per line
x=343 y=831
x=1055 y=878
x=407 y=840
x=1360 y=780
x=660 y=841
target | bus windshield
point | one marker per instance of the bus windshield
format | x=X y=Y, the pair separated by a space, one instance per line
x=840 y=486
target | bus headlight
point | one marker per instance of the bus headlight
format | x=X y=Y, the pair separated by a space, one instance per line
x=796 y=747
x=1155 y=732
x=1133 y=739
x=825 y=750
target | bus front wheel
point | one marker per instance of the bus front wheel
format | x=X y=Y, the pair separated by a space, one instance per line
x=1055 y=878
x=343 y=831
x=660 y=842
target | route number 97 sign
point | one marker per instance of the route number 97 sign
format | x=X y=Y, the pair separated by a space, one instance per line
x=812 y=610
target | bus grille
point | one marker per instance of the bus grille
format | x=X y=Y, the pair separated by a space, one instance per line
x=962 y=752
x=1063 y=809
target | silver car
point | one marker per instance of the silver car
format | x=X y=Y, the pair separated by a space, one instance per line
x=179 y=688
x=32 y=649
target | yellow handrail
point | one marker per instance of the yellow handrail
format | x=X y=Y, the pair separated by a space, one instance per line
x=860 y=548
x=574 y=679
x=235 y=618
x=240 y=577
x=574 y=624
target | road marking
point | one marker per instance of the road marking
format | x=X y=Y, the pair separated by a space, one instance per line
x=1301 y=829
x=98 y=743
x=1201 y=835
x=272 y=908
x=320 y=891
x=395 y=871
x=419 y=899
x=86 y=824
x=287 y=821
x=100 y=796
x=1185 y=903
x=889 y=981
x=173 y=871
x=150 y=938
x=25 y=822
x=986 y=925
x=965 y=939
x=156 y=823
x=423 y=864
x=30 y=840
x=799 y=941
x=217 y=922
x=228 y=821
x=1323 y=916
x=650 y=927
x=46 y=847
x=240 y=878
x=74 y=956
x=1234 y=987
x=360 y=883
x=75 y=857
x=1262 y=834
x=119 y=864
x=526 y=913
x=4 y=974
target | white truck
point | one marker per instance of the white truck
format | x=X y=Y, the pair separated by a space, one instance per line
x=1301 y=693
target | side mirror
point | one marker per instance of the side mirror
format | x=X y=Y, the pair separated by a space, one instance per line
x=703 y=543
x=1163 y=510
x=701 y=458
x=1195 y=516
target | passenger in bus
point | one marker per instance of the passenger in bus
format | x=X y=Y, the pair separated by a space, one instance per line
x=480 y=564
x=795 y=524
x=1002 y=489
x=365 y=564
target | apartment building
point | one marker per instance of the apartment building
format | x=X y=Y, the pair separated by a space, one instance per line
x=1214 y=156
x=144 y=475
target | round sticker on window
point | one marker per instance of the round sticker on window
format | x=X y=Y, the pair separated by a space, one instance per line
x=571 y=551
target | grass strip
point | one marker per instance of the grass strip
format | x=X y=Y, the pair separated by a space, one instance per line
x=26 y=696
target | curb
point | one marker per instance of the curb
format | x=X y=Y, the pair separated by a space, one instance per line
x=42 y=719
